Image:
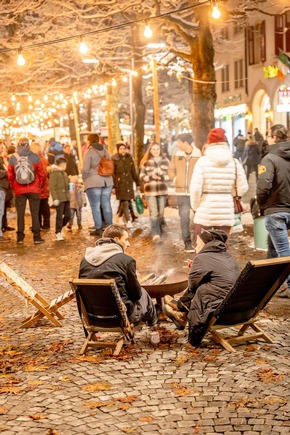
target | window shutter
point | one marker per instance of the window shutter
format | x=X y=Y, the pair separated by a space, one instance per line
x=262 y=42
x=279 y=33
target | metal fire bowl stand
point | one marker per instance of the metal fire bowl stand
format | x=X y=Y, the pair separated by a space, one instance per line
x=175 y=283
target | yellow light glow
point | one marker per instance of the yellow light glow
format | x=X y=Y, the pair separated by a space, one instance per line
x=148 y=31
x=20 y=60
x=216 y=13
x=83 y=47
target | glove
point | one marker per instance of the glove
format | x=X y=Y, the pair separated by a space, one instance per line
x=85 y=204
x=56 y=202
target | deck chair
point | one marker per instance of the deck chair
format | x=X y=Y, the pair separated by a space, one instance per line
x=101 y=309
x=256 y=285
x=44 y=308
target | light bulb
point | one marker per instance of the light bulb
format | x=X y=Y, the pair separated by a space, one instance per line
x=20 y=60
x=216 y=13
x=83 y=47
x=147 y=31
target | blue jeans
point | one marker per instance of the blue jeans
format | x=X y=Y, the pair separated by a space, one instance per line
x=2 y=207
x=156 y=205
x=278 y=225
x=100 y=197
x=184 y=216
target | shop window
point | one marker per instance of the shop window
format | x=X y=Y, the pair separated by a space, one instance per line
x=225 y=78
x=239 y=74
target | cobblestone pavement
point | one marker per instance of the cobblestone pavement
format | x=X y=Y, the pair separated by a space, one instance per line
x=173 y=388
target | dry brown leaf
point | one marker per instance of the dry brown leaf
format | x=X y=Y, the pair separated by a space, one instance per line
x=146 y=419
x=123 y=406
x=261 y=361
x=181 y=392
x=58 y=346
x=268 y=375
x=127 y=399
x=209 y=358
x=99 y=386
x=11 y=381
x=275 y=400
x=3 y=410
x=99 y=404
x=33 y=383
x=64 y=378
x=196 y=429
x=175 y=384
x=33 y=368
x=181 y=360
x=129 y=429
x=12 y=390
x=36 y=417
x=52 y=432
x=252 y=348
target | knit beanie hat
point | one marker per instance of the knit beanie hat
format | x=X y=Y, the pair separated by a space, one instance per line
x=209 y=235
x=216 y=135
x=120 y=144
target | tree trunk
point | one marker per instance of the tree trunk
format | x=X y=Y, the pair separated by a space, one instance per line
x=114 y=134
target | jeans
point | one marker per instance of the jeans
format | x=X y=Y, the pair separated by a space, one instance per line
x=100 y=197
x=78 y=213
x=20 y=205
x=156 y=205
x=278 y=225
x=62 y=216
x=183 y=203
x=2 y=208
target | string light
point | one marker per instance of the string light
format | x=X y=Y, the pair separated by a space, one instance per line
x=83 y=46
x=20 y=59
x=216 y=13
x=147 y=30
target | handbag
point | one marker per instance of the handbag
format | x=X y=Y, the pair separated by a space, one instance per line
x=139 y=204
x=238 y=208
x=106 y=166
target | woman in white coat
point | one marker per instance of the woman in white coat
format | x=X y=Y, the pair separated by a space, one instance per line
x=213 y=183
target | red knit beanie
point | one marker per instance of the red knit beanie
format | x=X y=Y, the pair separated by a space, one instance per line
x=216 y=135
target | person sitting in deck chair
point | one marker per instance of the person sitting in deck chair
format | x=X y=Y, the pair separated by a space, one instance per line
x=107 y=260
x=212 y=274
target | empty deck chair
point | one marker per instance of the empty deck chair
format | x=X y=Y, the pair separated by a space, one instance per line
x=102 y=311
x=256 y=285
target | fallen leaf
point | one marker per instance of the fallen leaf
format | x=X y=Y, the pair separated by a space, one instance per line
x=35 y=383
x=146 y=419
x=64 y=378
x=261 y=361
x=12 y=390
x=181 y=360
x=268 y=375
x=275 y=400
x=129 y=429
x=100 y=386
x=209 y=358
x=52 y=432
x=127 y=399
x=181 y=392
x=36 y=417
x=3 y=410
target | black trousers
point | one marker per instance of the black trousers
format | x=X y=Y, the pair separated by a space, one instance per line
x=20 y=204
x=62 y=216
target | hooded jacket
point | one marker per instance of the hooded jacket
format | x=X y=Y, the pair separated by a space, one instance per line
x=212 y=186
x=212 y=275
x=39 y=170
x=90 y=174
x=107 y=260
x=58 y=184
x=273 y=184
x=125 y=175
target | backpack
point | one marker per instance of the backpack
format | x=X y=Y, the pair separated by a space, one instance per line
x=24 y=170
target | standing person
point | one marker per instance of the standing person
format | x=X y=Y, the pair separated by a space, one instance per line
x=251 y=157
x=125 y=175
x=212 y=184
x=4 y=186
x=58 y=185
x=273 y=192
x=107 y=260
x=26 y=175
x=212 y=275
x=44 y=209
x=71 y=167
x=180 y=171
x=77 y=201
x=259 y=139
x=239 y=144
x=54 y=151
x=97 y=187
x=154 y=175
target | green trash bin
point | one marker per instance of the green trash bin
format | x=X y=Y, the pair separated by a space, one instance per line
x=260 y=233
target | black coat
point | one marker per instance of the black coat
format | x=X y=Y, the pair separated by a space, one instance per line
x=211 y=277
x=124 y=175
x=120 y=267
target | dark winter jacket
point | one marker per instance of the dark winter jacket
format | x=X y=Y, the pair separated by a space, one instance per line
x=54 y=152
x=4 y=183
x=211 y=277
x=107 y=260
x=251 y=155
x=124 y=175
x=71 y=166
x=58 y=184
x=158 y=167
x=39 y=170
x=273 y=184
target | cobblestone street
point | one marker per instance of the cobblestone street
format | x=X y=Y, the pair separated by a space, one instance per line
x=46 y=388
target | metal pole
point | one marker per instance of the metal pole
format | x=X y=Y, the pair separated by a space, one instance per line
x=156 y=101
x=132 y=121
x=76 y=122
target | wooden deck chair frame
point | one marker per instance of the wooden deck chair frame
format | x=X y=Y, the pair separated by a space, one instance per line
x=119 y=324
x=229 y=315
x=44 y=308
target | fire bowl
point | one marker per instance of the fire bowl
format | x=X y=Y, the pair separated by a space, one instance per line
x=175 y=283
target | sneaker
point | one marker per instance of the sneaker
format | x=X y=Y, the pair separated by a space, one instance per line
x=69 y=227
x=155 y=319
x=20 y=242
x=80 y=227
x=59 y=237
x=169 y=300
x=7 y=228
x=39 y=241
x=156 y=238
x=45 y=228
x=4 y=239
x=129 y=225
x=98 y=232
x=189 y=248
x=179 y=319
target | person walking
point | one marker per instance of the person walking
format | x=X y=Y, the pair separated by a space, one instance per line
x=273 y=189
x=251 y=157
x=4 y=186
x=239 y=144
x=71 y=167
x=26 y=175
x=98 y=188
x=154 y=175
x=125 y=175
x=213 y=182
x=180 y=171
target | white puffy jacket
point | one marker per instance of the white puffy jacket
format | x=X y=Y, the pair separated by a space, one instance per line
x=212 y=186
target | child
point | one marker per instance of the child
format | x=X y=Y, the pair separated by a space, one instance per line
x=59 y=189
x=77 y=200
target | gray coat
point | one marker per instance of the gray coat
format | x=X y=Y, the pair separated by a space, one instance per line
x=91 y=162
